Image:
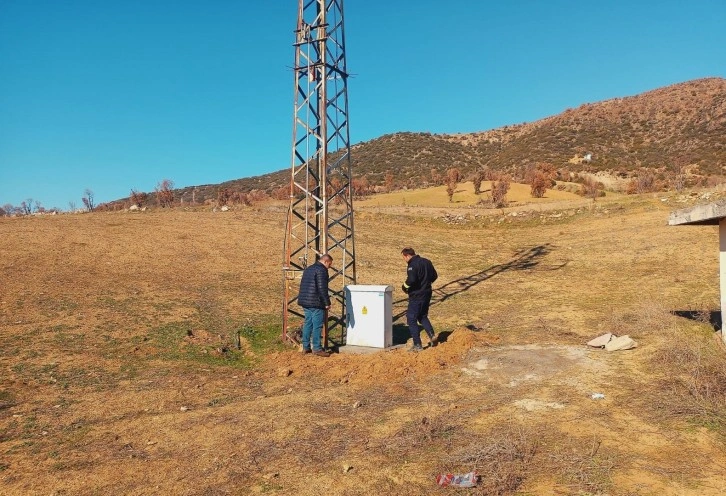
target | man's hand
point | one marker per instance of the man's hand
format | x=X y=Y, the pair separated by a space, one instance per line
x=404 y=288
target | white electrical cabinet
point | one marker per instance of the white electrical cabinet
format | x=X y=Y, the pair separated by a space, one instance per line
x=369 y=311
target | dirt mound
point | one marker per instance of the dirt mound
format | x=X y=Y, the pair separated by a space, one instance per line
x=377 y=367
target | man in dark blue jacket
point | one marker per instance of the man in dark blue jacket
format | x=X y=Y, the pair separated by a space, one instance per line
x=420 y=275
x=314 y=299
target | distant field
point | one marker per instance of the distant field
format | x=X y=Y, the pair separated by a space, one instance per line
x=122 y=375
x=464 y=196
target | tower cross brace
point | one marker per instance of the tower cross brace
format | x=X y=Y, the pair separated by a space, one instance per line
x=320 y=214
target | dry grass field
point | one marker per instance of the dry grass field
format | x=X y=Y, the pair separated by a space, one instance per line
x=121 y=374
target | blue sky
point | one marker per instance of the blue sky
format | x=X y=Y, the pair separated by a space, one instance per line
x=119 y=95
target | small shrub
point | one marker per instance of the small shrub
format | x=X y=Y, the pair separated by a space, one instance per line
x=138 y=198
x=450 y=188
x=165 y=193
x=644 y=183
x=590 y=188
x=500 y=188
x=539 y=184
x=223 y=196
x=477 y=179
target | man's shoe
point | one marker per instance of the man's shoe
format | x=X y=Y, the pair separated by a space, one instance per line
x=321 y=353
x=433 y=341
x=305 y=351
x=415 y=348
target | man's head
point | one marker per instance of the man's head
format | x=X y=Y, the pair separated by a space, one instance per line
x=326 y=260
x=408 y=254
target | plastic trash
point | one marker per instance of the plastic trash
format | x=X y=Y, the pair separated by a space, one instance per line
x=459 y=480
x=598 y=396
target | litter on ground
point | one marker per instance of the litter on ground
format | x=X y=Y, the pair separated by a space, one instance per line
x=611 y=342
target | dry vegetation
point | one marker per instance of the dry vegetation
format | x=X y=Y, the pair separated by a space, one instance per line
x=139 y=355
x=666 y=139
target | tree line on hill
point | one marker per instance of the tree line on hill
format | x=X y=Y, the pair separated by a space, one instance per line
x=540 y=176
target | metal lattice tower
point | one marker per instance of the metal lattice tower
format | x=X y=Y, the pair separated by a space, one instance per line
x=320 y=217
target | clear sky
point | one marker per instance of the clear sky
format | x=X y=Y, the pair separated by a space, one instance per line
x=119 y=95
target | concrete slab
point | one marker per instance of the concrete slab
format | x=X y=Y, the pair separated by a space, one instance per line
x=700 y=215
x=366 y=350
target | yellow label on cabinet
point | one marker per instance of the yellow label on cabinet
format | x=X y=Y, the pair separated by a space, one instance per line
x=365 y=311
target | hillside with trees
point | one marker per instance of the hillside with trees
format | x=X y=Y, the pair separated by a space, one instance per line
x=665 y=138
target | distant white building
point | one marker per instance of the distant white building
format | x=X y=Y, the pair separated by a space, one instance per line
x=587 y=158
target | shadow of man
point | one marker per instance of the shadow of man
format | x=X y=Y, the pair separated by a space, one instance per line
x=524 y=259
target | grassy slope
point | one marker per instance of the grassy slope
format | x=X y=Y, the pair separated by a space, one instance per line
x=116 y=331
x=464 y=196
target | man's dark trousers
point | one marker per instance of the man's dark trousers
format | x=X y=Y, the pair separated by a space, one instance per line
x=418 y=311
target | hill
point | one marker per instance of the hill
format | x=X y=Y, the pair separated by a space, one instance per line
x=675 y=129
x=682 y=124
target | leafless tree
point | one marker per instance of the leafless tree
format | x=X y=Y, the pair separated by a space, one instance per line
x=165 y=193
x=500 y=187
x=453 y=176
x=138 y=198
x=591 y=188
x=71 y=206
x=679 y=173
x=88 y=200
x=477 y=179
x=450 y=190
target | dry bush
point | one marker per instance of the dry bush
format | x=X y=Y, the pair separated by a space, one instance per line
x=540 y=177
x=164 y=193
x=644 y=318
x=361 y=187
x=713 y=181
x=418 y=433
x=453 y=175
x=138 y=198
x=503 y=458
x=477 y=179
x=644 y=183
x=500 y=187
x=690 y=363
x=508 y=456
x=693 y=383
x=679 y=175
x=436 y=178
x=281 y=193
x=450 y=189
x=87 y=200
x=539 y=184
x=255 y=196
x=584 y=469
x=591 y=188
x=223 y=196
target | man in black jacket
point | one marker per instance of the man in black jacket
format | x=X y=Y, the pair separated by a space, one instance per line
x=314 y=299
x=420 y=275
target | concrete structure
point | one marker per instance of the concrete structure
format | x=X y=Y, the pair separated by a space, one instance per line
x=370 y=315
x=713 y=214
